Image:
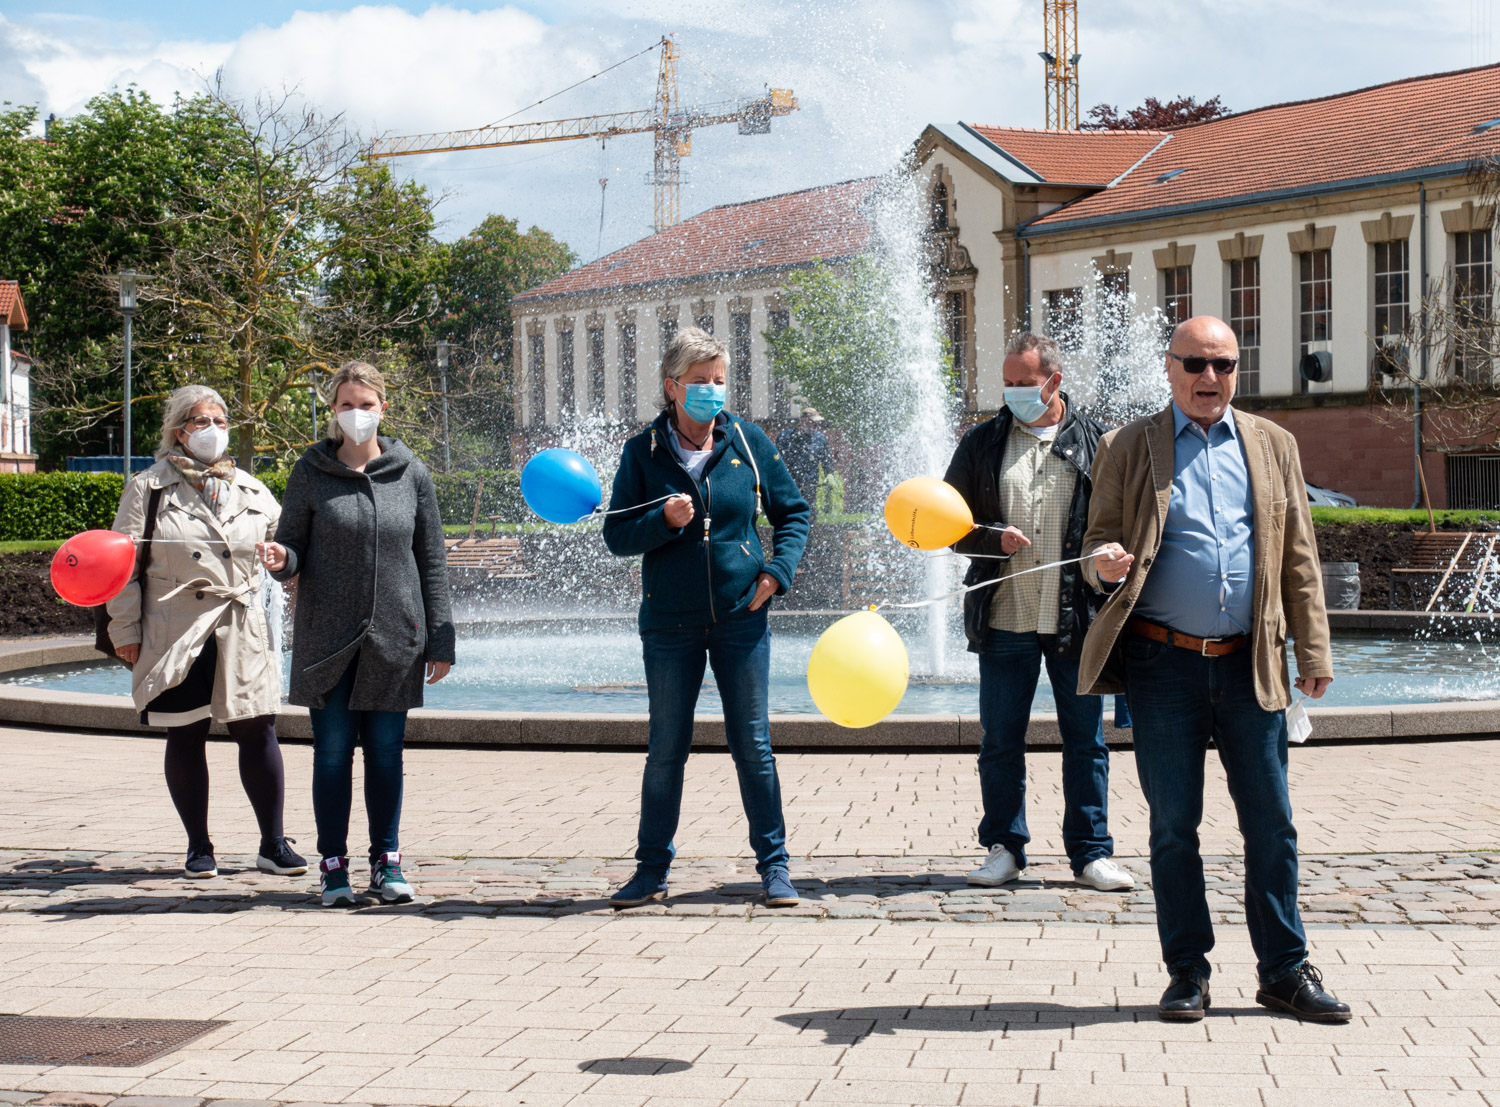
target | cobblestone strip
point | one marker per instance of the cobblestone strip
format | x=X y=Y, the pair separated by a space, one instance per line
x=1405 y=889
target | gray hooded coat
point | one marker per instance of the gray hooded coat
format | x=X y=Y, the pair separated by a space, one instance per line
x=368 y=549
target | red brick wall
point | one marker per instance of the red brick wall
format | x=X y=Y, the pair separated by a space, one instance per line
x=1347 y=450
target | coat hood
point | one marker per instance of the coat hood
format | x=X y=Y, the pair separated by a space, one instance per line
x=395 y=456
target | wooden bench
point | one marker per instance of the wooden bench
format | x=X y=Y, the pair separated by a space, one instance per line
x=1448 y=571
x=497 y=558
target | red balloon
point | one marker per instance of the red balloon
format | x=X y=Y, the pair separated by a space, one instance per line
x=93 y=567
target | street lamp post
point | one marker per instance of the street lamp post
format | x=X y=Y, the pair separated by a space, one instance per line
x=442 y=360
x=127 y=309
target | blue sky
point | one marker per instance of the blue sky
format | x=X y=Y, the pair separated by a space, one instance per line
x=869 y=74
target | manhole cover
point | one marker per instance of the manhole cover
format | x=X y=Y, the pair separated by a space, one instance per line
x=113 y=1043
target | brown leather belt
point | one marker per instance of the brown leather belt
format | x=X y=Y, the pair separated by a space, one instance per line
x=1208 y=647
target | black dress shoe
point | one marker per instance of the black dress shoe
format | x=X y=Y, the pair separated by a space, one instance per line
x=1301 y=993
x=1186 y=998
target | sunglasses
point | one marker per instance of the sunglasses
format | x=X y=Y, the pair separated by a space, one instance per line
x=1195 y=365
x=203 y=422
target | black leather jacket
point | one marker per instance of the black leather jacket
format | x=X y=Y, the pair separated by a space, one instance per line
x=975 y=472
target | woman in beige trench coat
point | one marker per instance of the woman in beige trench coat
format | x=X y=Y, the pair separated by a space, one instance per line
x=193 y=628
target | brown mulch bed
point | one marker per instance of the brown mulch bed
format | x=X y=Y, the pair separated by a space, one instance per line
x=1378 y=547
x=29 y=606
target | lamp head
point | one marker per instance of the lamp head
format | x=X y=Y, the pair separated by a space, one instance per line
x=127 y=290
x=442 y=355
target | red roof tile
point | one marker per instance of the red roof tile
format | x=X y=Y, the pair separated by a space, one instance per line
x=773 y=233
x=1402 y=127
x=1073 y=157
x=12 y=310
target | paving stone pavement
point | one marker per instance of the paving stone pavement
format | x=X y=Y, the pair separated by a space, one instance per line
x=514 y=984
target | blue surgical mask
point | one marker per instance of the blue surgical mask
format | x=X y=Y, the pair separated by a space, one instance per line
x=1026 y=403
x=703 y=402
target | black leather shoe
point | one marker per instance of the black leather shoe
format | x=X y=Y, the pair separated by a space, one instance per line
x=1301 y=993
x=1186 y=998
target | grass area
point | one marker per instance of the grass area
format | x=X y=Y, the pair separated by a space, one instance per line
x=1446 y=520
x=503 y=530
x=48 y=545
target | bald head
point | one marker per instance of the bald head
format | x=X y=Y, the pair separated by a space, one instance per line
x=1203 y=397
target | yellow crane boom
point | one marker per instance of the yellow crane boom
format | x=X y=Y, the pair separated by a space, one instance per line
x=672 y=125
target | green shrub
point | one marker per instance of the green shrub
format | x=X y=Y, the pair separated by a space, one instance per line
x=502 y=496
x=39 y=506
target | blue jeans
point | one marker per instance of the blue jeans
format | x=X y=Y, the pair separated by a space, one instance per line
x=336 y=731
x=739 y=650
x=1009 y=665
x=1179 y=700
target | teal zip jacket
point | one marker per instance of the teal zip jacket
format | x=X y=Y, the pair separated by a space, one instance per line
x=706 y=571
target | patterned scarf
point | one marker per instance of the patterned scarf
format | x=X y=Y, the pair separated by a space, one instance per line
x=211 y=481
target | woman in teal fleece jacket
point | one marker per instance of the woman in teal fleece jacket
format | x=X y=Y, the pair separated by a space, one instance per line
x=696 y=478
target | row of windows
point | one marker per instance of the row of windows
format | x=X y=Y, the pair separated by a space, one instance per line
x=1473 y=302
x=593 y=404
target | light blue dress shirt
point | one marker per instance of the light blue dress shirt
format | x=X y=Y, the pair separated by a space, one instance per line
x=1203 y=579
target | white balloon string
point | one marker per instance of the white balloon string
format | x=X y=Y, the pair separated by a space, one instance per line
x=597 y=514
x=987 y=583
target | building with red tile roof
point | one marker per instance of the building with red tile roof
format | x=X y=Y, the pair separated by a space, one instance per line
x=1310 y=226
x=15 y=386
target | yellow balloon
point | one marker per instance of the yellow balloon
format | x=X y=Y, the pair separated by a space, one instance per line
x=857 y=671
x=927 y=514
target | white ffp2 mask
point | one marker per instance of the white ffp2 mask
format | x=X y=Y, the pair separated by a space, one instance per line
x=208 y=444
x=359 y=424
x=1298 y=725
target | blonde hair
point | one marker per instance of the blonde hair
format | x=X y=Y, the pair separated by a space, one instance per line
x=687 y=348
x=352 y=372
x=179 y=403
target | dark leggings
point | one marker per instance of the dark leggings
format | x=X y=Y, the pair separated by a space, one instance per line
x=260 y=771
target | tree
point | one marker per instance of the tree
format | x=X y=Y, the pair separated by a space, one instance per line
x=480 y=274
x=1153 y=115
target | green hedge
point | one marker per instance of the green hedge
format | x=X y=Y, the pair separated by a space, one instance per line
x=39 y=506
x=455 y=492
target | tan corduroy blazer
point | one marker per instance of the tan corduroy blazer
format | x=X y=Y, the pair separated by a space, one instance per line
x=1132 y=488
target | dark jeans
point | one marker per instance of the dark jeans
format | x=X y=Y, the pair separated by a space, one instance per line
x=381 y=734
x=739 y=650
x=1179 y=700
x=1009 y=665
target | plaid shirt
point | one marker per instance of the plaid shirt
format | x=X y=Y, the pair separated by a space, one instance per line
x=1036 y=488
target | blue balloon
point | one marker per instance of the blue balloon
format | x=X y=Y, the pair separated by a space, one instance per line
x=561 y=486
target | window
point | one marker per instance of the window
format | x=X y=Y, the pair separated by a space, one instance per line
x=564 y=374
x=958 y=330
x=1390 y=300
x=781 y=406
x=596 y=371
x=1177 y=294
x=1244 y=320
x=666 y=331
x=1473 y=301
x=626 y=382
x=537 y=381
x=1065 y=317
x=705 y=323
x=940 y=207
x=739 y=363
x=1314 y=302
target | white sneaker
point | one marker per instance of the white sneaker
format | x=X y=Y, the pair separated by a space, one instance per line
x=1104 y=874
x=999 y=868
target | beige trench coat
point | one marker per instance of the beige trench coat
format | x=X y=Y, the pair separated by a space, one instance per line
x=203 y=578
x=1132 y=490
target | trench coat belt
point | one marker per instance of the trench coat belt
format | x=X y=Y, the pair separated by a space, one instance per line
x=1208 y=647
x=239 y=593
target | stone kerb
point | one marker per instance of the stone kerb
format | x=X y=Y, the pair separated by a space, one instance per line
x=26 y=706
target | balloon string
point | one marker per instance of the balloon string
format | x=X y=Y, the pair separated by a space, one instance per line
x=597 y=514
x=985 y=583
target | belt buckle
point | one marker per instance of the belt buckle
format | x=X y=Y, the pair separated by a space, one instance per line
x=1203 y=649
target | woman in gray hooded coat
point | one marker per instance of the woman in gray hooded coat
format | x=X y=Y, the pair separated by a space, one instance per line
x=360 y=530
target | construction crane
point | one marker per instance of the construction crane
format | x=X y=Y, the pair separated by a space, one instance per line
x=1060 y=25
x=670 y=123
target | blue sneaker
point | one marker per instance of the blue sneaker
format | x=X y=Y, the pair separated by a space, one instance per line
x=387 y=880
x=778 y=887
x=643 y=887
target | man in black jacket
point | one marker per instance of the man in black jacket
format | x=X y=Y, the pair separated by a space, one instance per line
x=1027 y=470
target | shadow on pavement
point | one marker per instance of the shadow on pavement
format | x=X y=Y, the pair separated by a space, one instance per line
x=845 y=1026
x=634 y=1066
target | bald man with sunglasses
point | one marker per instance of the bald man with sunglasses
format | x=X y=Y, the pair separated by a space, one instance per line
x=1203 y=544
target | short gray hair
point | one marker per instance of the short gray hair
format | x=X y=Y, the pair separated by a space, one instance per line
x=688 y=347
x=1047 y=351
x=179 y=403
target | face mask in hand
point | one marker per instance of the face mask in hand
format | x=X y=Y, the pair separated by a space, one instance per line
x=703 y=402
x=1298 y=725
x=359 y=424
x=208 y=444
x=1026 y=403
